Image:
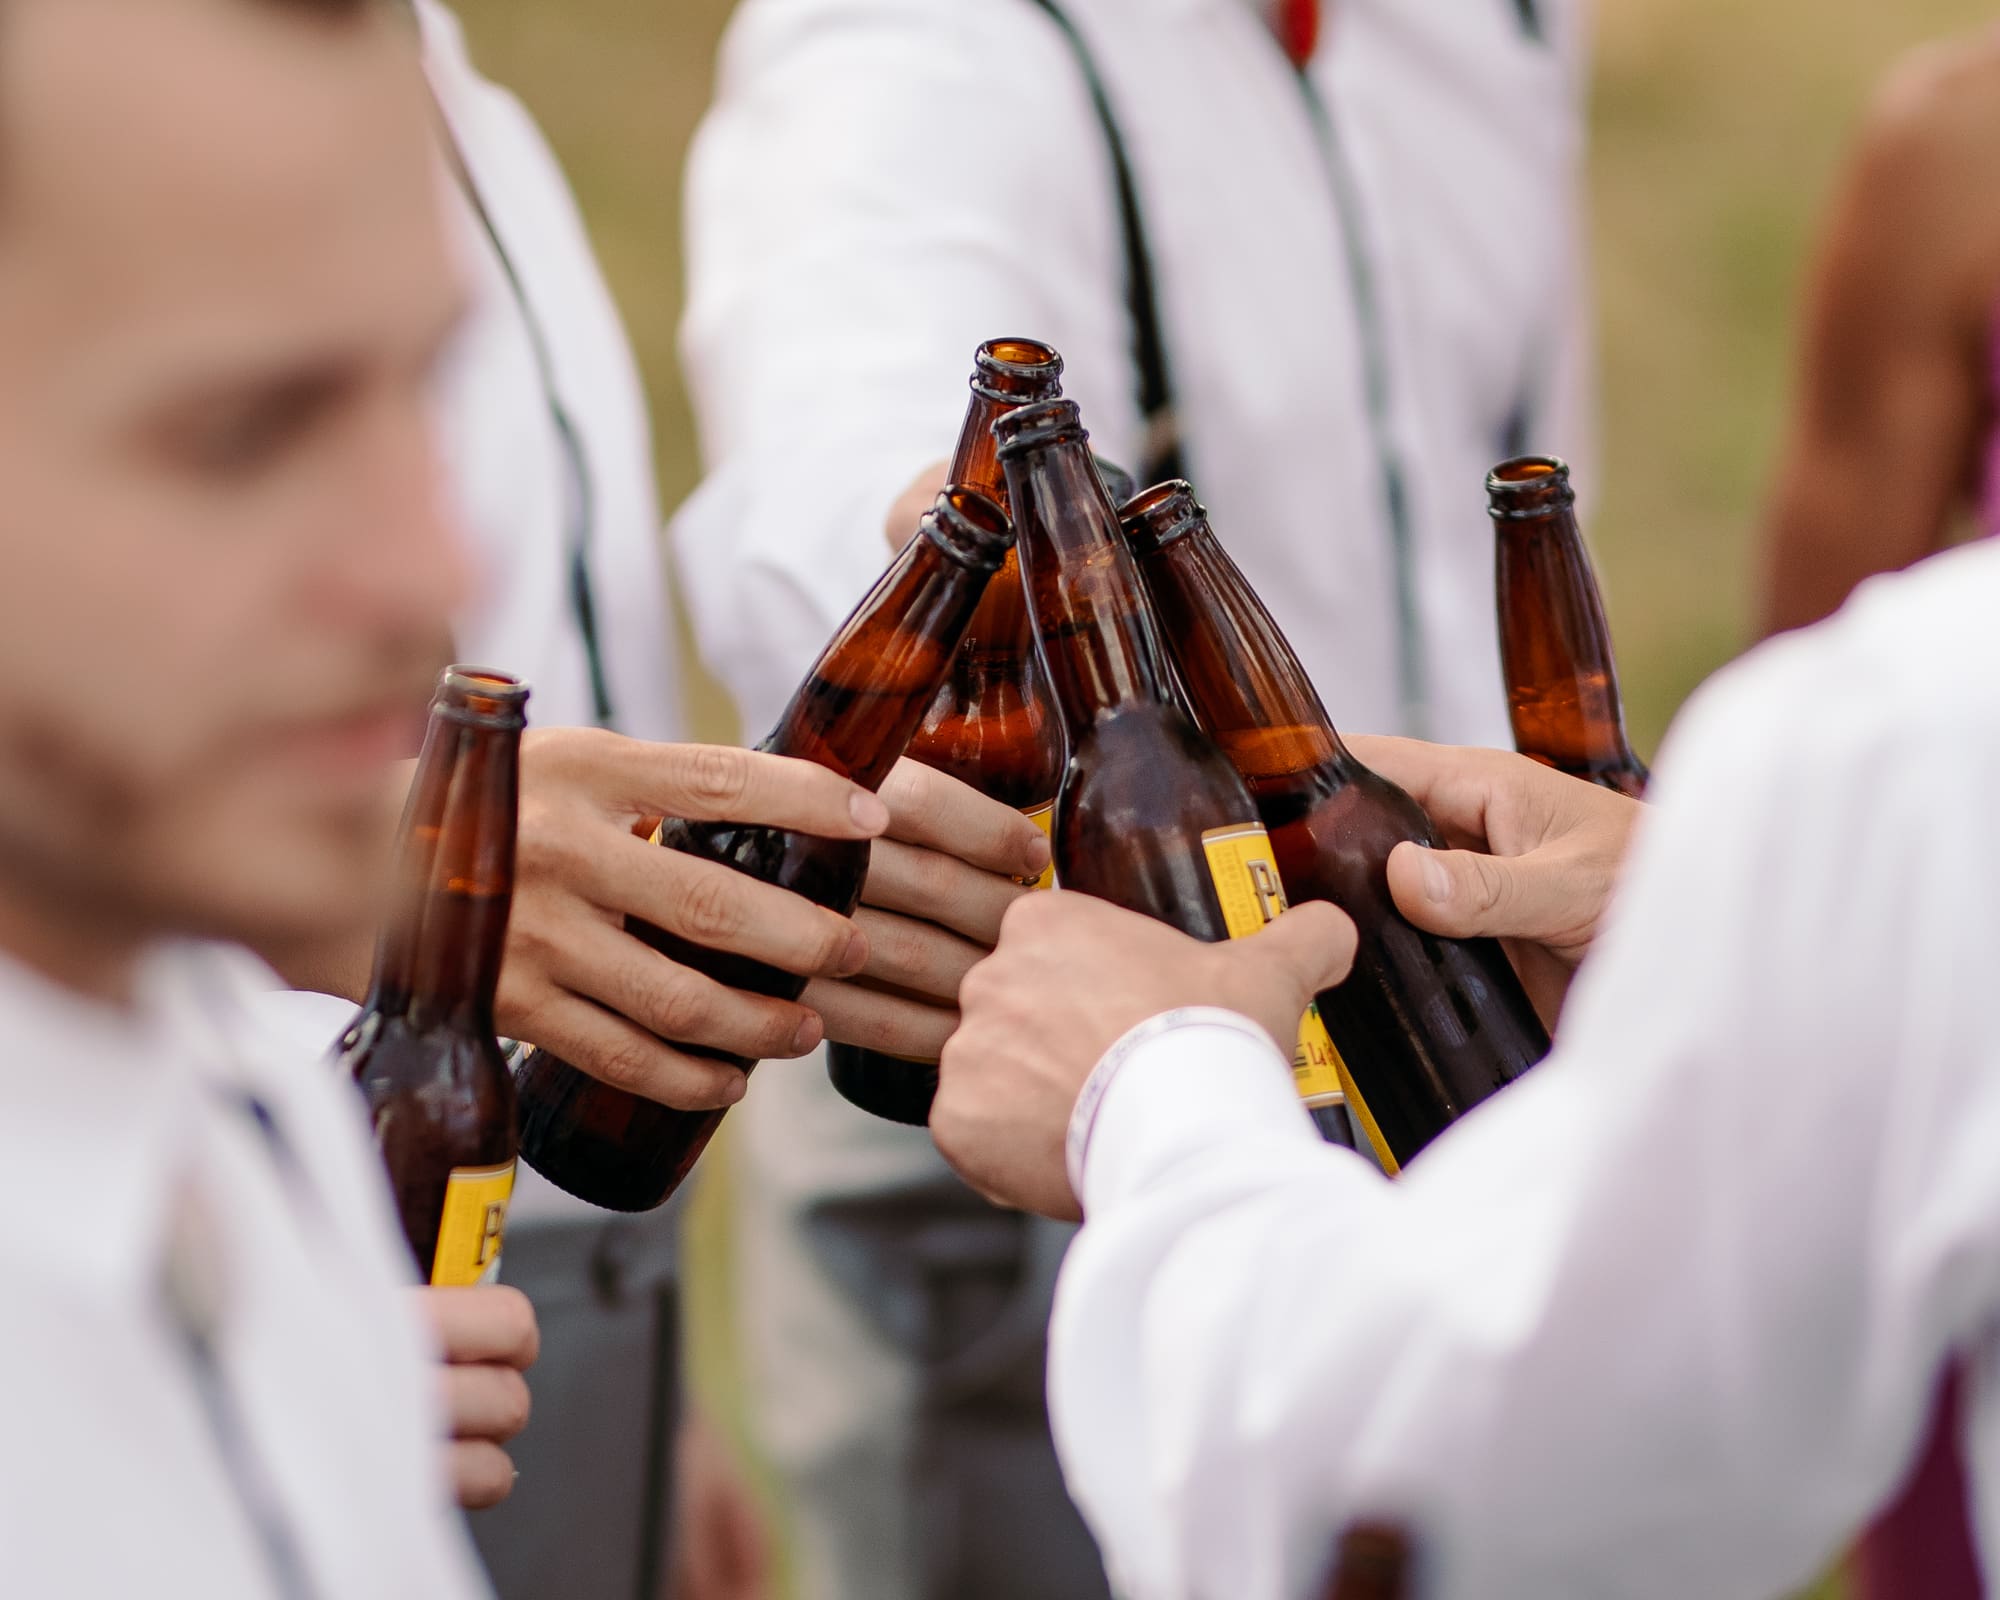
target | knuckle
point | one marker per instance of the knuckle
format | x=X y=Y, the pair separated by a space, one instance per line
x=982 y=986
x=917 y=791
x=899 y=949
x=946 y=1121
x=546 y=748
x=681 y=1010
x=563 y=757
x=830 y=944
x=773 y=1033
x=554 y=853
x=716 y=777
x=709 y=910
x=1489 y=887
x=629 y=1065
x=932 y=876
x=531 y=941
x=1028 y=913
x=539 y=840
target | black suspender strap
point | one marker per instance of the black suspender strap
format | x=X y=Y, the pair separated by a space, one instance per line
x=1411 y=675
x=1161 y=455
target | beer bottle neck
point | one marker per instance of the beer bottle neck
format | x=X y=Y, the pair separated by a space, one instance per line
x=1555 y=643
x=1000 y=640
x=867 y=694
x=470 y=888
x=976 y=461
x=416 y=849
x=1243 y=682
x=1100 y=644
x=1006 y=375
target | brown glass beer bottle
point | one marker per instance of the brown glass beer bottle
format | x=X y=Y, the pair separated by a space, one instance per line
x=1373 y=1563
x=1425 y=1027
x=991 y=726
x=855 y=713
x=1555 y=645
x=423 y=1049
x=1151 y=815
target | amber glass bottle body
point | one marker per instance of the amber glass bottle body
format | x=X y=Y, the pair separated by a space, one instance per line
x=422 y=1050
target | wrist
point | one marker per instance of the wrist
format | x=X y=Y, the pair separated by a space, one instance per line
x=1129 y=1047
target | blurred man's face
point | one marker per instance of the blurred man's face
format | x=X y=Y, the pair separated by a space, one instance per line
x=224 y=578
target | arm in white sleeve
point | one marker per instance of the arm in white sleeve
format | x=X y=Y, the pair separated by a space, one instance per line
x=1661 y=1321
x=881 y=185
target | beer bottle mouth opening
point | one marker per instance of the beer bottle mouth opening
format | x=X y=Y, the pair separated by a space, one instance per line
x=1158 y=516
x=1035 y=427
x=1529 y=486
x=969 y=528
x=1013 y=370
x=482 y=696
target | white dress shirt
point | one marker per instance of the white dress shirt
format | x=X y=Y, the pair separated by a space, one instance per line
x=506 y=464
x=1665 y=1319
x=882 y=184
x=216 y=1386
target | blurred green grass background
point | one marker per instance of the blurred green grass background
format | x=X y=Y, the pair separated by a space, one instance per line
x=1718 y=126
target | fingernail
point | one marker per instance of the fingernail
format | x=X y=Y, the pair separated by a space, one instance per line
x=854 y=957
x=870 y=815
x=1437 y=882
x=804 y=1042
x=1037 y=859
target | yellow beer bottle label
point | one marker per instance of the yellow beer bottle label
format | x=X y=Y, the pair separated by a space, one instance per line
x=1043 y=817
x=473 y=1226
x=1316 y=1064
x=1245 y=872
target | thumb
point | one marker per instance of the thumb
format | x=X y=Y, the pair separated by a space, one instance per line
x=1465 y=895
x=1309 y=948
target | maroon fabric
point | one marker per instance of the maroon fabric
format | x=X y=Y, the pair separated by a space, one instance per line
x=1921 y=1547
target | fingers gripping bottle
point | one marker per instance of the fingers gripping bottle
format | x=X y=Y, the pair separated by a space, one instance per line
x=855 y=713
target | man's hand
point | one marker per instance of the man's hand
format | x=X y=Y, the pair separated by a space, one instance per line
x=938 y=884
x=1535 y=855
x=1072 y=976
x=576 y=982
x=489 y=1338
x=913 y=502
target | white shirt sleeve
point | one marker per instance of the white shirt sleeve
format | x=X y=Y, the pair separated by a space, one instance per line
x=1661 y=1321
x=856 y=227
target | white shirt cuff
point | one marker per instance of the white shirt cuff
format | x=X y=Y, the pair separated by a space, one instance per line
x=1177 y=1083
